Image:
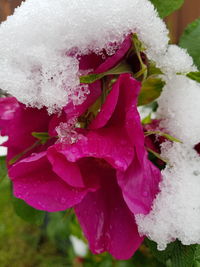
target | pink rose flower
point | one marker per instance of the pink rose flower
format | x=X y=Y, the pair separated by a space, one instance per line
x=105 y=174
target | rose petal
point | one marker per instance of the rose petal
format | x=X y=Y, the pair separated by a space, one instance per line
x=110 y=144
x=36 y=183
x=116 y=58
x=139 y=185
x=107 y=222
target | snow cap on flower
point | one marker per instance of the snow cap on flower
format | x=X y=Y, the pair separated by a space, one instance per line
x=40 y=42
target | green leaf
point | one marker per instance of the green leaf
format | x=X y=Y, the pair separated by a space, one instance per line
x=119 y=69
x=3 y=169
x=169 y=137
x=183 y=256
x=166 y=7
x=194 y=76
x=162 y=256
x=152 y=69
x=151 y=89
x=27 y=213
x=191 y=41
x=176 y=254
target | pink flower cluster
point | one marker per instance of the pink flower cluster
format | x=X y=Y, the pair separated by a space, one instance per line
x=104 y=173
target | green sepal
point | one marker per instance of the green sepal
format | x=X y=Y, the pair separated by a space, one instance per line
x=17 y=157
x=151 y=90
x=157 y=155
x=121 y=68
x=147 y=119
x=194 y=76
x=167 y=136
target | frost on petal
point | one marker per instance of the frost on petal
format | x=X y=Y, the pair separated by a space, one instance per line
x=176 y=209
x=112 y=226
x=36 y=183
x=40 y=48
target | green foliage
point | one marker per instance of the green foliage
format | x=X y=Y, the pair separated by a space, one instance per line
x=166 y=7
x=3 y=169
x=151 y=90
x=194 y=76
x=176 y=254
x=27 y=213
x=21 y=243
x=191 y=41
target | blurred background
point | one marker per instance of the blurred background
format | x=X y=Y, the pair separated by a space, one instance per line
x=56 y=239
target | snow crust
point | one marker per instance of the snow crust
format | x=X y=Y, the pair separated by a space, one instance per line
x=40 y=42
x=176 y=60
x=179 y=109
x=176 y=209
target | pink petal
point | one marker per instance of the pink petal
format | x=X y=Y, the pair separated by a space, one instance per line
x=116 y=58
x=107 y=222
x=8 y=107
x=110 y=144
x=36 y=183
x=66 y=170
x=107 y=108
x=23 y=122
x=139 y=185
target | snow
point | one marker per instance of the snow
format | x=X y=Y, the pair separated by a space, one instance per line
x=40 y=43
x=179 y=109
x=176 y=209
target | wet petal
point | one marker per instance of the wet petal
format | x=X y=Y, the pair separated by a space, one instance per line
x=110 y=144
x=66 y=170
x=107 y=222
x=36 y=183
x=140 y=184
